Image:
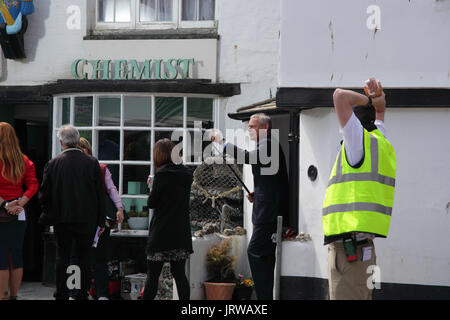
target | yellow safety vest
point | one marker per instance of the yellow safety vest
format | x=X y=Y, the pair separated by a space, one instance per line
x=361 y=199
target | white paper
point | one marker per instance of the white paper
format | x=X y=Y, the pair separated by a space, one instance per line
x=367 y=253
x=94 y=244
x=21 y=216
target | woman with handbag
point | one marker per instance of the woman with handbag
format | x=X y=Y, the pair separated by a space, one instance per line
x=16 y=171
x=169 y=236
x=100 y=253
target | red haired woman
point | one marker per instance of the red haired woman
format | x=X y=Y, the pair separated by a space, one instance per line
x=16 y=171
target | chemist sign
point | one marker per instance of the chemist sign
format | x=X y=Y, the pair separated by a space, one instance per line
x=158 y=69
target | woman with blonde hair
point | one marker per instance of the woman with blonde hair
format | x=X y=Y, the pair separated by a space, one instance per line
x=16 y=171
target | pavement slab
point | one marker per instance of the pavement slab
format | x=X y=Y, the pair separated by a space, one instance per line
x=35 y=291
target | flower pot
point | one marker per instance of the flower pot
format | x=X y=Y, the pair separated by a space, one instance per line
x=219 y=291
x=138 y=223
x=242 y=293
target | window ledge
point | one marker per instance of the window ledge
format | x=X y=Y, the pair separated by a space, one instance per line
x=191 y=33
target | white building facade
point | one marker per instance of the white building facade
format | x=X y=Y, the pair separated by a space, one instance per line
x=129 y=72
x=134 y=71
x=330 y=44
x=151 y=52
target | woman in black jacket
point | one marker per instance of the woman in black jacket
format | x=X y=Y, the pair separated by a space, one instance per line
x=170 y=238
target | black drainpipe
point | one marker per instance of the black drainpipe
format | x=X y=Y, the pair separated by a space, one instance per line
x=294 y=164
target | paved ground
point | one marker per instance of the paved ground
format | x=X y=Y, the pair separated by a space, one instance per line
x=35 y=291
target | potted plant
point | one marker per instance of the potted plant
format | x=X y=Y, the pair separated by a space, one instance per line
x=219 y=264
x=138 y=220
x=244 y=288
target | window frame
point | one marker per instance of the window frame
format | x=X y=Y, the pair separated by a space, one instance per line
x=95 y=128
x=135 y=24
x=113 y=25
x=197 y=23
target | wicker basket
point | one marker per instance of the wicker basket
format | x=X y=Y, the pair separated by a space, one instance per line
x=219 y=291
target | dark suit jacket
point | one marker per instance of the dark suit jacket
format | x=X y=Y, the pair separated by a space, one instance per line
x=271 y=187
x=170 y=227
x=72 y=190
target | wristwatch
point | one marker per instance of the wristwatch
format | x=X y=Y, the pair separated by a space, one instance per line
x=4 y=204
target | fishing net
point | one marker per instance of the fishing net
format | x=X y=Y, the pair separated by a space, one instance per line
x=216 y=192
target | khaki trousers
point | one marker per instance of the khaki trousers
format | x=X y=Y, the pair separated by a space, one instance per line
x=348 y=280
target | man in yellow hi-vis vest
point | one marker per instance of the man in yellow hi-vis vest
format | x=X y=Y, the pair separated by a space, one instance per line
x=360 y=193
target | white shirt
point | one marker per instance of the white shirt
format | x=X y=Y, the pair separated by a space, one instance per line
x=354 y=138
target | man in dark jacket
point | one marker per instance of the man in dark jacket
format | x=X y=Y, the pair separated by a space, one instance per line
x=72 y=200
x=270 y=199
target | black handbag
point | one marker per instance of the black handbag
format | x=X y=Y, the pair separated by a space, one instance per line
x=5 y=216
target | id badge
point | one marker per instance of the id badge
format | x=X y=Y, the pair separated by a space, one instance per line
x=366 y=253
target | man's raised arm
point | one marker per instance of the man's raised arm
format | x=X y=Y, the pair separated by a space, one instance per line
x=344 y=100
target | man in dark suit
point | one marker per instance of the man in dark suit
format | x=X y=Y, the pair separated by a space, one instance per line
x=270 y=199
x=72 y=200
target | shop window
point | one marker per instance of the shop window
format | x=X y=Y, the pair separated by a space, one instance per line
x=197 y=10
x=83 y=111
x=123 y=129
x=108 y=145
x=114 y=11
x=109 y=111
x=136 y=145
x=155 y=10
x=198 y=110
x=138 y=111
x=155 y=14
x=169 y=112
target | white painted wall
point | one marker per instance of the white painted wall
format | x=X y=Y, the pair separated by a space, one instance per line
x=416 y=250
x=319 y=138
x=248 y=52
x=326 y=43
